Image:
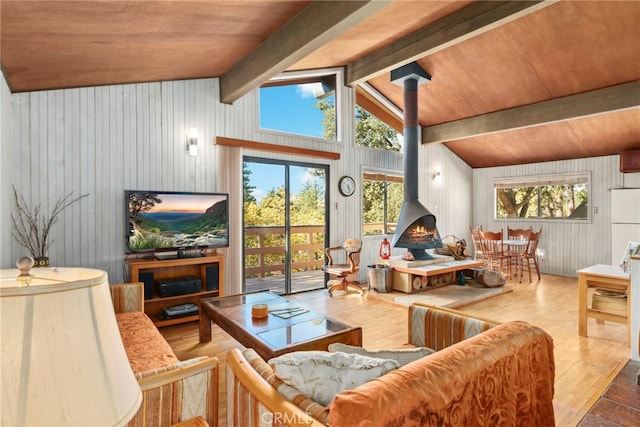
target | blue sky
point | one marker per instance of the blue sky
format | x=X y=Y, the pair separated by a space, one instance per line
x=290 y=109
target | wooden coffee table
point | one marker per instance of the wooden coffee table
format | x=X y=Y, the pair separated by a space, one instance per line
x=273 y=336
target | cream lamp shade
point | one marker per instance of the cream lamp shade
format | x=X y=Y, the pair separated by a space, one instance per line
x=63 y=362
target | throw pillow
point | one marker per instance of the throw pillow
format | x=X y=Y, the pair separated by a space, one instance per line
x=403 y=356
x=321 y=375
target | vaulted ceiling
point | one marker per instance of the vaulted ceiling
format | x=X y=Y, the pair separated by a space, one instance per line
x=512 y=82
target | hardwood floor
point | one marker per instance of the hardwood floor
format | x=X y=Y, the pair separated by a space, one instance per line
x=620 y=403
x=584 y=366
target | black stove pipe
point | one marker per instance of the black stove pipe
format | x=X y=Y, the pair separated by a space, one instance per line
x=411 y=75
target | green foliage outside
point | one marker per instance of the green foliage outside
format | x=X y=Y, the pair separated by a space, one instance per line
x=308 y=206
x=373 y=206
x=547 y=201
x=370 y=131
x=373 y=132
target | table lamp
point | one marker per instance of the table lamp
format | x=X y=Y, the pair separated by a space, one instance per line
x=63 y=362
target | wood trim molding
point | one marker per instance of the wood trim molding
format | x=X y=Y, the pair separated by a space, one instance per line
x=599 y=101
x=316 y=25
x=274 y=148
x=473 y=20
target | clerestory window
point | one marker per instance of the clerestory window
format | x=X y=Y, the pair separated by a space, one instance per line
x=378 y=123
x=300 y=104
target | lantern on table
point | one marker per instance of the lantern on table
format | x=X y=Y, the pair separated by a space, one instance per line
x=385 y=249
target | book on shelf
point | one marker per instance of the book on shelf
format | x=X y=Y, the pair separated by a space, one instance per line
x=609 y=301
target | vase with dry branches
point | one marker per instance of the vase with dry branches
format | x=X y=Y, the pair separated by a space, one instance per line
x=32 y=226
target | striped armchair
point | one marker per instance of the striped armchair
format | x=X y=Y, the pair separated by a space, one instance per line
x=440 y=327
x=172 y=390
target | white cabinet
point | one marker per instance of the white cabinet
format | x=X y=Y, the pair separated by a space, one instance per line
x=634 y=300
x=625 y=220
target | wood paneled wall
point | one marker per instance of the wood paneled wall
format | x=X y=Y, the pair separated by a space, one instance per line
x=103 y=140
x=7 y=144
x=568 y=246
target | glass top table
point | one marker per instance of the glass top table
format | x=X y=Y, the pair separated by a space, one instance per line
x=288 y=327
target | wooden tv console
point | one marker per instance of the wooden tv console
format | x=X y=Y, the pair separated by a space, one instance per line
x=209 y=269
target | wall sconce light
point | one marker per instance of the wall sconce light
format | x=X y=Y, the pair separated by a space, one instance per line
x=436 y=173
x=192 y=142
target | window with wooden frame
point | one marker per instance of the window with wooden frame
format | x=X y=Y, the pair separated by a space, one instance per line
x=382 y=196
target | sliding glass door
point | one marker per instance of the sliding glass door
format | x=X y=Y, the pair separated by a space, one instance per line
x=285 y=226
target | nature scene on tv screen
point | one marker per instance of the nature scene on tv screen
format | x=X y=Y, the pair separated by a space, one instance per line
x=171 y=221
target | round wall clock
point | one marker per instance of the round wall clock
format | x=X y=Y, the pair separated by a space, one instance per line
x=346 y=186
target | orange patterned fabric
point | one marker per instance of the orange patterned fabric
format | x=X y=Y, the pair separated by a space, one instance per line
x=501 y=377
x=146 y=348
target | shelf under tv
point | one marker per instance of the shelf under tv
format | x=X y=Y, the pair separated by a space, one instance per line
x=209 y=268
x=184 y=253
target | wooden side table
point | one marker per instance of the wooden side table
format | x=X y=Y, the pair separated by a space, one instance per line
x=610 y=277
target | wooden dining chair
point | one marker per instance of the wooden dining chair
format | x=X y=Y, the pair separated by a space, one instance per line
x=493 y=253
x=517 y=251
x=475 y=238
x=518 y=233
x=530 y=255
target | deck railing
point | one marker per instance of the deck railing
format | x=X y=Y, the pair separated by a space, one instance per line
x=264 y=249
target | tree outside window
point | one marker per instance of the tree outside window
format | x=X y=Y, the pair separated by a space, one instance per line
x=382 y=197
x=553 y=197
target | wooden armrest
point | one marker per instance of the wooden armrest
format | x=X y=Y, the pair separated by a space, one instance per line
x=180 y=392
x=331 y=249
x=249 y=386
x=193 y=422
x=127 y=297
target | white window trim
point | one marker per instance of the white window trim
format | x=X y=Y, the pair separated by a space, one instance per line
x=292 y=75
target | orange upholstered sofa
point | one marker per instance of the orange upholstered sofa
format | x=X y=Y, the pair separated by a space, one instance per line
x=482 y=374
x=172 y=390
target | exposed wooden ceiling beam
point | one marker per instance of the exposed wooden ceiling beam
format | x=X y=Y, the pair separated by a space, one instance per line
x=601 y=101
x=309 y=30
x=475 y=19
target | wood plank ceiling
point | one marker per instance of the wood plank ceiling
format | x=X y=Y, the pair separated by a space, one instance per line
x=513 y=82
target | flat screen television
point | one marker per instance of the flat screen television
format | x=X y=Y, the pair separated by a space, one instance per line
x=161 y=221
